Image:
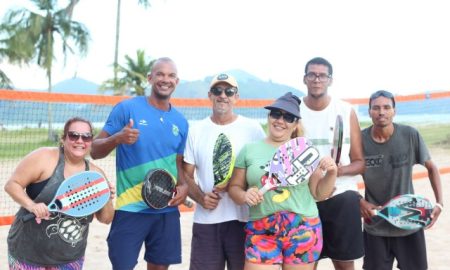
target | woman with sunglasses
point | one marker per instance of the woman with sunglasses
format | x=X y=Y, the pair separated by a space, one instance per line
x=284 y=228
x=52 y=241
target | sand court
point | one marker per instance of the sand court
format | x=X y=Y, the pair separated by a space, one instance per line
x=438 y=237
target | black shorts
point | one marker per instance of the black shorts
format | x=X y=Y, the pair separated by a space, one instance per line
x=341 y=227
x=409 y=251
x=215 y=245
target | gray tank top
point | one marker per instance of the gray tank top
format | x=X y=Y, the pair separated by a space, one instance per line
x=60 y=240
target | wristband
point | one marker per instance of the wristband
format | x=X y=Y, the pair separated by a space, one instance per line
x=440 y=206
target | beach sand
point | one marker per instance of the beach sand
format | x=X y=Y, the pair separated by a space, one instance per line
x=438 y=238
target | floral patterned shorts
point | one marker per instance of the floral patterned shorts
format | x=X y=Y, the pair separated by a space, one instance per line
x=283 y=238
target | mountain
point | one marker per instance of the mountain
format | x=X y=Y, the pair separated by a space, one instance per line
x=250 y=87
x=76 y=86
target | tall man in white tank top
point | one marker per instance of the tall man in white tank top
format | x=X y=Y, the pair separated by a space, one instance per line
x=340 y=215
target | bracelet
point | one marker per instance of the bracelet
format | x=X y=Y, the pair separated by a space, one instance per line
x=440 y=206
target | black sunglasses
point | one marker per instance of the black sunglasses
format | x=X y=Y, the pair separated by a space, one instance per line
x=229 y=92
x=289 y=118
x=75 y=136
x=382 y=93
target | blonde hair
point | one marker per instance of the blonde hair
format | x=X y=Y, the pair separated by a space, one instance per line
x=298 y=131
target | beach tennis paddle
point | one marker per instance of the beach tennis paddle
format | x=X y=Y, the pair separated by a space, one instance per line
x=223 y=161
x=292 y=164
x=337 y=139
x=80 y=195
x=159 y=188
x=408 y=211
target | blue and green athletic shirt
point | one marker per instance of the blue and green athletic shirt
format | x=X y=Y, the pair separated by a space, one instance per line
x=162 y=135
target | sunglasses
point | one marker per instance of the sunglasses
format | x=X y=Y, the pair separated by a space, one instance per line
x=289 y=118
x=75 y=136
x=229 y=92
x=382 y=93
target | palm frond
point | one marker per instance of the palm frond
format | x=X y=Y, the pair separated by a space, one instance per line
x=5 y=82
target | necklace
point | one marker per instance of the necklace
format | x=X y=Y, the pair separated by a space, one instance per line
x=162 y=107
x=161 y=115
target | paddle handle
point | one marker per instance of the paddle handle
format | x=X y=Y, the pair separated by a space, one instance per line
x=188 y=203
x=28 y=217
x=265 y=188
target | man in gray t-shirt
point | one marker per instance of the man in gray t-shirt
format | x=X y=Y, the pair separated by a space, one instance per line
x=391 y=150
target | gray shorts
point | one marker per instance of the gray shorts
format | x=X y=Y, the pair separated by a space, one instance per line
x=214 y=245
x=341 y=227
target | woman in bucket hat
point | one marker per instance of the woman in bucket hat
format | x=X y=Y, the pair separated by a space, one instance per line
x=284 y=227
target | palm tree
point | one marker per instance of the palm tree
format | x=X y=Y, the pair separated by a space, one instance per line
x=5 y=82
x=133 y=76
x=34 y=33
x=116 y=85
x=16 y=50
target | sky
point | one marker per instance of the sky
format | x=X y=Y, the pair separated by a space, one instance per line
x=401 y=45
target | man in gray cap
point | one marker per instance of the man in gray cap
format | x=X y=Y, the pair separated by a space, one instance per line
x=212 y=145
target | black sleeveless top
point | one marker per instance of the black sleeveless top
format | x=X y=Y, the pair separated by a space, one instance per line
x=60 y=240
x=34 y=189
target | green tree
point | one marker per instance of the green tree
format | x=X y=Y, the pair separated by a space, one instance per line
x=17 y=49
x=5 y=82
x=116 y=84
x=30 y=35
x=132 y=78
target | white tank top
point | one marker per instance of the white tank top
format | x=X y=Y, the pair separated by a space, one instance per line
x=319 y=128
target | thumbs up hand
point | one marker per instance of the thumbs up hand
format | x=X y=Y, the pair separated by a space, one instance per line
x=131 y=123
x=128 y=135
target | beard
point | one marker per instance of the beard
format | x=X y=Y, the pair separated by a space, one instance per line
x=220 y=109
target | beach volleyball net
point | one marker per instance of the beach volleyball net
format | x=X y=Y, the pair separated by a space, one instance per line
x=29 y=120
